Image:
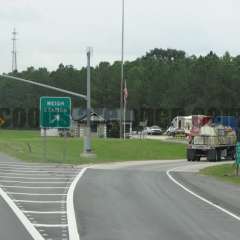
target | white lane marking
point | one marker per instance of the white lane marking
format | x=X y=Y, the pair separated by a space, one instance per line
x=51 y=225
x=39 y=212
x=29 y=201
x=8 y=181
x=33 y=178
x=71 y=217
x=4 y=186
x=37 y=194
x=200 y=197
x=26 y=223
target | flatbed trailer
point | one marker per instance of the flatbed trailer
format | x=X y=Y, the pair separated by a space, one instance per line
x=213 y=153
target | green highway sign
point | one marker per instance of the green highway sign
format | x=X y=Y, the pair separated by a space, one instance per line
x=55 y=112
x=238 y=153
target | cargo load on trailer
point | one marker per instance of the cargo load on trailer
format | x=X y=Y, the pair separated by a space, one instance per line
x=213 y=138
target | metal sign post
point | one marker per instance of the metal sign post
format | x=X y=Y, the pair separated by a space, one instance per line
x=45 y=145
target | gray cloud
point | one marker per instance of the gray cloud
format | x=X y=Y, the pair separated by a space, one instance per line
x=57 y=31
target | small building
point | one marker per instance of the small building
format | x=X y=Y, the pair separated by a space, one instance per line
x=104 y=122
x=98 y=125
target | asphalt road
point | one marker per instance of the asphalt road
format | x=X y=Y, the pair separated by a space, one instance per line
x=116 y=201
x=141 y=202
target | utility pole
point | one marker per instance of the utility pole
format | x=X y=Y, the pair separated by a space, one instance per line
x=14 y=51
x=122 y=70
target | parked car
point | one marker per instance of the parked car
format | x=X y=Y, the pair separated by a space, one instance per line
x=154 y=130
x=172 y=131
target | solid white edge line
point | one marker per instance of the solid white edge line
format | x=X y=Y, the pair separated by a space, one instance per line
x=200 y=197
x=23 y=219
x=71 y=217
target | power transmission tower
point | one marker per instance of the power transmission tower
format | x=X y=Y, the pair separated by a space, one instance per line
x=14 y=51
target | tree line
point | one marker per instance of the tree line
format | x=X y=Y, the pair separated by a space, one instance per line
x=161 y=84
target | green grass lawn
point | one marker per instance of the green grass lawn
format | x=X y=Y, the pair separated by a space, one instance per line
x=28 y=145
x=225 y=172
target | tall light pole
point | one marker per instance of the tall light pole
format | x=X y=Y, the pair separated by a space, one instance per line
x=87 y=137
x=122 y=70
x=14 y=51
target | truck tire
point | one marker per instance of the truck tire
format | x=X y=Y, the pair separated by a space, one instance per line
x=191 y=154
x=231 y=153
x=212 y=155
x=197 y=158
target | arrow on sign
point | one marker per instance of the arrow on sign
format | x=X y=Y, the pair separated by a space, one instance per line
x=56 y=119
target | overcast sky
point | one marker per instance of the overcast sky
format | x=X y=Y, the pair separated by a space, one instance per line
x=55 y=31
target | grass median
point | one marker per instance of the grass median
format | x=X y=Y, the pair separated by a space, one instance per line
x=28 y=146
x=225 y=172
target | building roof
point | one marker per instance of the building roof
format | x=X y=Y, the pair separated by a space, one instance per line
x=94 y=118
x=104 y=113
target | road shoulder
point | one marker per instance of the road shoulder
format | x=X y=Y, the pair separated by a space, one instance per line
x=226 y=195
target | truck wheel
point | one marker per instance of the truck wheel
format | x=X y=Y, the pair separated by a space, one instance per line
x=190 y=155
x=231 y=155
x=197 y=159
x=212 y=155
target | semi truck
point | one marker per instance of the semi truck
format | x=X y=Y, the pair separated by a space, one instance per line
x=180 y=125
x=212 y=137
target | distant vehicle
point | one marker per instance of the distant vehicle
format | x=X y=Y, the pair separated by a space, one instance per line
x=180 y=125
x=172 y=131
x=154 y=130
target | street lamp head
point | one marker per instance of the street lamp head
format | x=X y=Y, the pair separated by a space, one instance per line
x=89 y=50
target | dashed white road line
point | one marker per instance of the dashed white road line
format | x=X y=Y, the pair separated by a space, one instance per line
x=40 y=212
x=198 y=196
x=38 y=174
x=51 y=225
x=36 y=187
x=18 y=174
x=9 y=181
x=71 y=217
x=35 y=171
x=29 y=201
x=33 y=178
x=37 y=194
